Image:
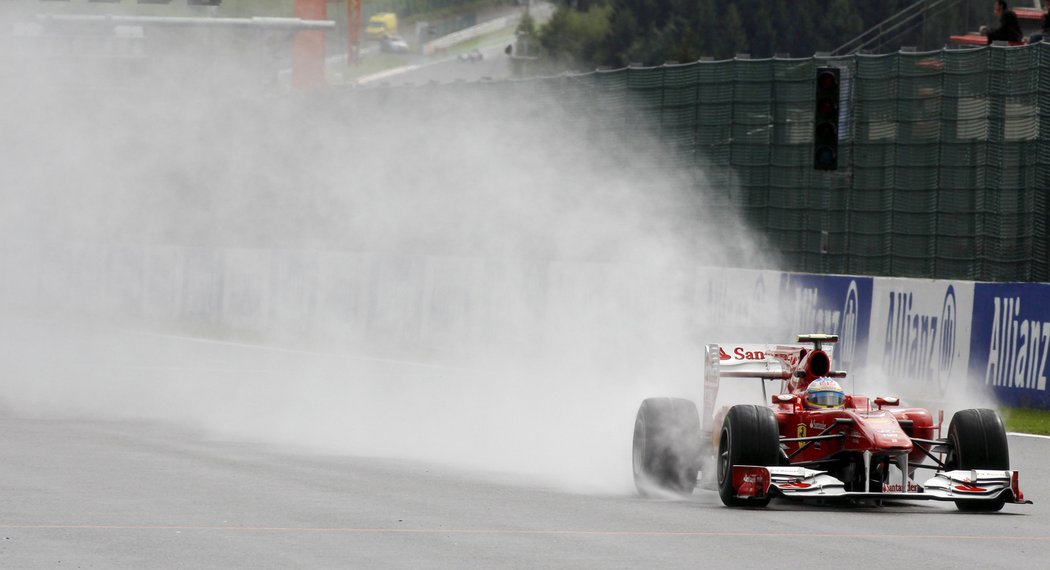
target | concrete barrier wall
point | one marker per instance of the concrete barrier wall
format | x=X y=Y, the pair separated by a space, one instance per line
x=929 y=339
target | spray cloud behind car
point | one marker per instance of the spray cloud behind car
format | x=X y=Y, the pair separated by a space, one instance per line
x=487 y=276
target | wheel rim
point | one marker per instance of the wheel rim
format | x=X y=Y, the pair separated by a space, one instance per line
x=723 y=457
x=638 y=452
x=951 y=460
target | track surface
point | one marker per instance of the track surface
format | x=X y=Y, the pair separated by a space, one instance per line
x=90 y=494
x=127 y=493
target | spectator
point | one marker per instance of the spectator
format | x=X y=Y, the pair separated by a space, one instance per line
x=1009 y=29
x=1045 y=32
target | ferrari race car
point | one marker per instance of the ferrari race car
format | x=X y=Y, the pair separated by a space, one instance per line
x=815 y=442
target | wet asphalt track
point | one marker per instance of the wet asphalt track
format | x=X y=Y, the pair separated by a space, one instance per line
x=91 y=494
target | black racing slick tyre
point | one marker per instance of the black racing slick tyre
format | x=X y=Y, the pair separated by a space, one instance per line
x=749 y=436
x=666 y=449
x=978 y=441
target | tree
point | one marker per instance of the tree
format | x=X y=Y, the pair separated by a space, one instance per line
x=762 y=40
x=576 y=38
x=734 y=37
x=620 y=43
x=654 y=31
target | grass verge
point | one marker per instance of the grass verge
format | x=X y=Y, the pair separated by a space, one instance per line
x=1025 y=420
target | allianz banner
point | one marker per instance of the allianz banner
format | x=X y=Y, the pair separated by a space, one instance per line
x=920 y=335
x=1011 y=340
x=834 y=304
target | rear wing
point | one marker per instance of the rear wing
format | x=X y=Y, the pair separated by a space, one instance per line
x=759 y=361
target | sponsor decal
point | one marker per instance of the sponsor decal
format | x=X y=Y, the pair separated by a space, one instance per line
x=920 y=345
x=1018 y=347
x=817 y=425
x=889 y=434
x=824 y=386
x=789 y=355
x=831 y=304
x=810 y=315
x=969 y=489
x=898 y=488
x=801 y=431
x=846 y=350
x=752 y=483
x=740 y=354
x=736 y=295
x=794 y=485
x=722 y=354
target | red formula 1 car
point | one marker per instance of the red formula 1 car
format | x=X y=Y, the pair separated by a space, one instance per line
x=815 y=442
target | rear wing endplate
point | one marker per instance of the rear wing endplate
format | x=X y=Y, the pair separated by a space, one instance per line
x=761 y=361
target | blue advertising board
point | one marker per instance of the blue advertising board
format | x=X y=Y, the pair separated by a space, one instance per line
x=1010 y=341
x=835 y=304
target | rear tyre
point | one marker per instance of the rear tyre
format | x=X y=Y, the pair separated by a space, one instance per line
x=666 y=454
x=978 y=441
x=749 y=436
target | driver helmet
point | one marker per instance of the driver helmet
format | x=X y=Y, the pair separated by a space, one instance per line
x=824 y=394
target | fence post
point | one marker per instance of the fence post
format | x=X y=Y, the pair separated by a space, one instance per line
x=308 y=51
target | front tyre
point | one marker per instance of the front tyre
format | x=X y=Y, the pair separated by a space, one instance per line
x=749 y=436
x=666 y=450
x=978 y=441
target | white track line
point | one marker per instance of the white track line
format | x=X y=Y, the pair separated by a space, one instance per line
x=1028 y=435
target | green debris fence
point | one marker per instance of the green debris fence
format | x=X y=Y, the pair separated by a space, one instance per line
x=943 y=165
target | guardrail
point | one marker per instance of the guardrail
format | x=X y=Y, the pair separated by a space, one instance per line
x=172 y=21
x=924 y=339
x=465 y=34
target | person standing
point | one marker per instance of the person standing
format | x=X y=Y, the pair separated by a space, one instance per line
x=1009 y=29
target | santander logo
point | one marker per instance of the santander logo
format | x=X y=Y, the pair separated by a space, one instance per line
x=739 y=354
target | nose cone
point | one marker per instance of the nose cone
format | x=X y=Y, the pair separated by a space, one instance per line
x=884 y=432
x=894 y=439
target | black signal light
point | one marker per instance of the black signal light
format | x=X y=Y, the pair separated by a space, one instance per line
x=826 y=120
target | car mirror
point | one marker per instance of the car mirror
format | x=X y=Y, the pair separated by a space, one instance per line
x=887 y=401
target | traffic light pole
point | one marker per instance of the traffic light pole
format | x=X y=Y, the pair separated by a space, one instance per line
x=308 y=51
x=353 y=31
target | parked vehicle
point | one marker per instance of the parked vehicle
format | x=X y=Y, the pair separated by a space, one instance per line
x=381 y=25
x=393 y=44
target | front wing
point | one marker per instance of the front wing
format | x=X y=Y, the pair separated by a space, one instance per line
x=752 y=481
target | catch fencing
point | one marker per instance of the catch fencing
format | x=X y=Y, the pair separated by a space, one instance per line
x=943 y=164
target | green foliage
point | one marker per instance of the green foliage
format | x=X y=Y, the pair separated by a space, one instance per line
x=733 y=33
x=403 y=8
x=572 y=36
x=527 y=26
x=424 y=9
x=652 y=32
x=1025 y=420
x=249 y=8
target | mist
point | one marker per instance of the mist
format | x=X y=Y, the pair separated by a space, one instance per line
x=487 y=276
